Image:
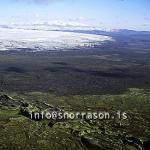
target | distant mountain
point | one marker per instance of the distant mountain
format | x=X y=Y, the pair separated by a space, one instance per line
x=57 y=36
x=70 y=27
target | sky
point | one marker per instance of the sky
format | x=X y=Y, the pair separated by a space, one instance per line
x=109 y=14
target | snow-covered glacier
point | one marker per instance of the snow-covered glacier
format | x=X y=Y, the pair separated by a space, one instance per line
x=39 y=40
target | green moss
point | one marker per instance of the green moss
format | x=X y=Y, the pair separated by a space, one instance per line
x=6 y=113
x=18 y=132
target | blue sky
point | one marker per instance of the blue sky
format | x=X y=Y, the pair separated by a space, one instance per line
x=129 y=14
